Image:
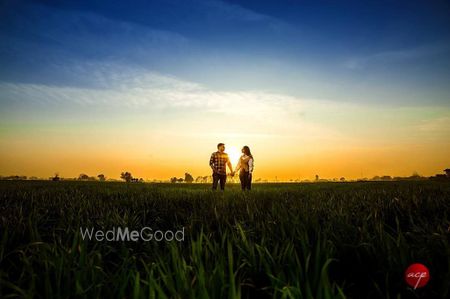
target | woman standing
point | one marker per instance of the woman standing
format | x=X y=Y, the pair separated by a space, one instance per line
x=245 y=165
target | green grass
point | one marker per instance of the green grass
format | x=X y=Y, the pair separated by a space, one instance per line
x=343 y=240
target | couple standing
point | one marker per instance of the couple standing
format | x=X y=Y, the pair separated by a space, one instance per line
x=219 y=162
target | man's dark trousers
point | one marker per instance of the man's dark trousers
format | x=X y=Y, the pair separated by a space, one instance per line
x=219 y=177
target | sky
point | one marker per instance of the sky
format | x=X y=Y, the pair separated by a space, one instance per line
x=334 y=88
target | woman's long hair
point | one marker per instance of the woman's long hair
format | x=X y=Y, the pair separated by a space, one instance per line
x=247 y=151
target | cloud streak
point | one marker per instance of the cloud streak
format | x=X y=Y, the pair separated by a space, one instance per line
x=396 y=56
x=129 y=87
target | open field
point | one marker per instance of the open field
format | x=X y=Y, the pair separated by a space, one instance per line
x=330 y=240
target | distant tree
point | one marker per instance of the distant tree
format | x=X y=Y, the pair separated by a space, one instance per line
x=415 y=175
x=447 y=172
x=342 y=179
x=126 y=176
x=101 y=177
x=55 y=178
x=188 y=178
x=441 y=177
x=173 y=180
x=386 y=178
x=180 y=180
x=15 y=177
x=137 y=180
x=83 y=177
x=317 y=177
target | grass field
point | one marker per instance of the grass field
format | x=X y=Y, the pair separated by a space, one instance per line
x=324 y=240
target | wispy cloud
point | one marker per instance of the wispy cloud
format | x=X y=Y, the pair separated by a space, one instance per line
x=440 y=125
x=133 y=87
x=395 y=56
x=234 y=11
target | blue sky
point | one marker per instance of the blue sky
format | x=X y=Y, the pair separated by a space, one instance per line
x=396 y=52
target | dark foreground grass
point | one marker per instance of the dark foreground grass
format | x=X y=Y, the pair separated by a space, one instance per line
x=346 y=240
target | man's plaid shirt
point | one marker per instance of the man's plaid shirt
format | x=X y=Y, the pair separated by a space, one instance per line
x=219 y=162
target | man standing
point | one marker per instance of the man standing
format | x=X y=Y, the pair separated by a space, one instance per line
x=218 y=162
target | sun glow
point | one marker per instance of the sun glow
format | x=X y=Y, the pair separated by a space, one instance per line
x=234 y=153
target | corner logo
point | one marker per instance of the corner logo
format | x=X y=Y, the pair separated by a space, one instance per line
x=417 y=275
